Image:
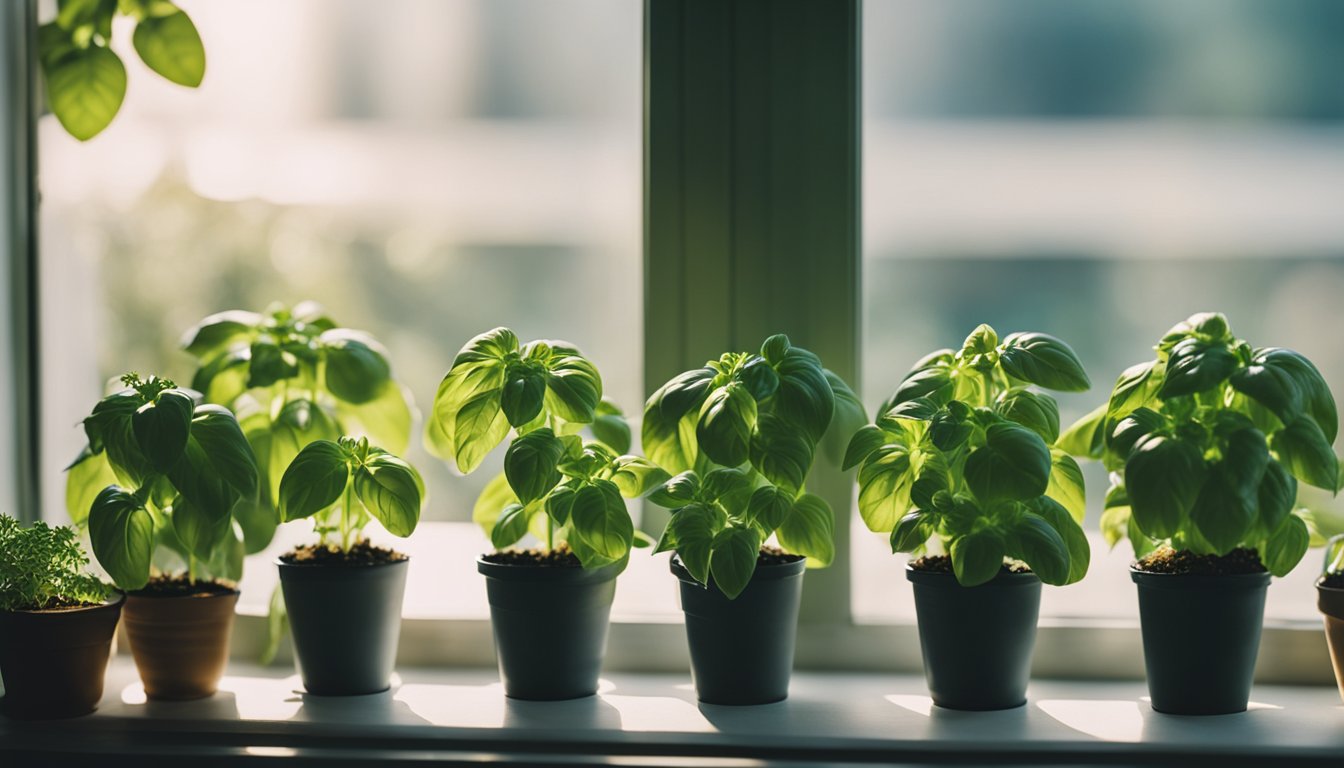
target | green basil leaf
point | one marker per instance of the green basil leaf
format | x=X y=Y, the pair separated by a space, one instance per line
x=932 y=479
x=524 y=392
x=731 y=488
x=1115 y=517
x=122 y=534
x=200 y=529
x=809 y=530
x=1222 y=514
x=911 y=532
x=1318 y=400
x=949 y=428
x=492 y=346
x=600 y=519
x=87 y=476
x=510 y=526
x=681 y=395
x=769 y=507
x=85 y=88
x=1036 y=412
x=229 y=455
x=269 y=364
x=225 y=377
x=1163 y=477
x=677 y=491
x=733 y=561
x=314 y=480
x=759 y=378
x=611 y=428
x=1085 y=437
x=1194 y=366
x=1067 y=485
x=390 y=489
x=804 y=398
x=494 y=498
x=480 y=426
x=1043 y=360
x=257 y=520
x=1132 y=428
x=885 y=480
x=775 y=348
x=171 y=46
x=727 y=419
x=636 y=476
x=933 y=382
x=356 y=366
x=977 y=557
x=219 y=332
x=560 y=503
x=862 y=445
x=848 y=416
x=226 y=559
x=691 y=532
x=1070 y=531
x=109 y=429
x=1276 y=495
x=530 y=464
x=670 y=444
x=573 y=389
x=299 y=423
x=1302 y=446
x=385 y=419
x=780 y=452
x=462 y=384
x=1136 y=388
x=1035 y=542
x=1012 y=465
x=1286 y=546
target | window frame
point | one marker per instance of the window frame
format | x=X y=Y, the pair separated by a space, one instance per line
x=752 y=167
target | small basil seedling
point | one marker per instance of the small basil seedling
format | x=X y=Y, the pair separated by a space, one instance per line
x=963 y=451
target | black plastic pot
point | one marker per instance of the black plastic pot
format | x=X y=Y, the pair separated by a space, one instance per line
x=550 y=627
x=1200 y=636
x=53 y=662
x=345 y=621
x=976 y=641
x=742 y=649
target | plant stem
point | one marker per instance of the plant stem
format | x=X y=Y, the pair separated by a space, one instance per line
x=345 y=517
x=191 y=568
x=550 y=533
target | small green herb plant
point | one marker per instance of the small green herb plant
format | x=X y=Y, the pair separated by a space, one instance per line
x=1206 y=445
x=344 y=484
x=565 y=490
x=963 y=452
x=43 y=567
x=293 y=377
x=742 y=433
x=85 y=79
x=162 y=474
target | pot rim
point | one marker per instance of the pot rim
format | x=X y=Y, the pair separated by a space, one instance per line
x=405 y=558
x=233 y=592
x=536 y=573
x=1199 y=580
x=767 y=572
x=115 y=600
x=948 y=578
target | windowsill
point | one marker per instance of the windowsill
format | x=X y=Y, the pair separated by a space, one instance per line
x=833 y=717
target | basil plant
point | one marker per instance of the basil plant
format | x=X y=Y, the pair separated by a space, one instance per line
x=964 y=452
x=344 y=484
x=565 y=490
x=742 y=433
x=1206 y=445
x=163 y=475
x=293 y=377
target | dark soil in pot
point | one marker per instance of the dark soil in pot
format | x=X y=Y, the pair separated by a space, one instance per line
x=742 y=649
x=179 y=635
x=344 y=615
x=550 y=617
x=1330 y=600
x=976 y=641
x=1201 y=617
x=53 y=661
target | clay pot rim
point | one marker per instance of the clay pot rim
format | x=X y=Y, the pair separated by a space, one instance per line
x=233 y=592
x=114 y=600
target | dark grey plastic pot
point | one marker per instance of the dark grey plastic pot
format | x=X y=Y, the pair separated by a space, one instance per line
x=550 y=627
x=742 y=649
x=345 y=620
x=976 y=641
x=1201 y=634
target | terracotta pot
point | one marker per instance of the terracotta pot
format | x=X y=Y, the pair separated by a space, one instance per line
x=53 y=662
x=1331 y=602
x=180 y=644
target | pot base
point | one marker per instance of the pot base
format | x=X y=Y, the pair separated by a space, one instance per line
x=180 y=644
x=53 y=662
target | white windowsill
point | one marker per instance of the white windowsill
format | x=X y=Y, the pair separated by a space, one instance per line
x=828 y=717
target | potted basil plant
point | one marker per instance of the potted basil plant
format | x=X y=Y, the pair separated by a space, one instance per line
x=163 y=478
x=549 y=604
x=742 y=432
x=963 y=454
x=1330 y=601
x=343 y=594
x=1206 y=445
x=56 y=623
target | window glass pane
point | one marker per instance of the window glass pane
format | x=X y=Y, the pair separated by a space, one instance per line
x=426 y=170
x=1098 y=170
